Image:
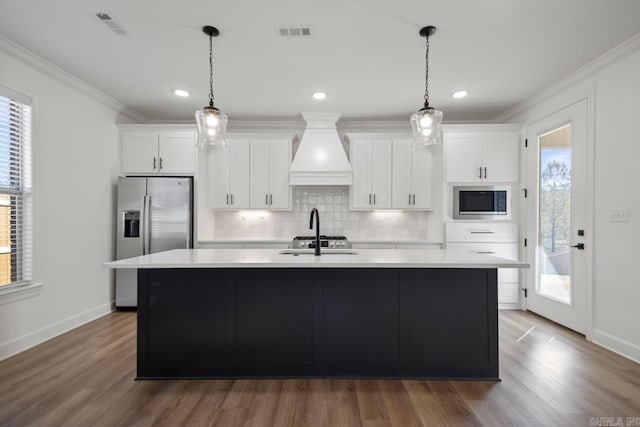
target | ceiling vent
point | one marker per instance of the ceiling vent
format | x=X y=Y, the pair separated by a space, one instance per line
x=107 y=20
x=293 y=31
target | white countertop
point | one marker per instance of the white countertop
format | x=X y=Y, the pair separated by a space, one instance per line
x=272 y=258
x=287 y=241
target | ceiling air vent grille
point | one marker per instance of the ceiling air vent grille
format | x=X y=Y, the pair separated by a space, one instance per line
x=106 y=19
x=293 y=31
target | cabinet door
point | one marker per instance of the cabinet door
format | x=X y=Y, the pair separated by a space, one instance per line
x=140 y=152
x=177 y=152
x=218 y=178
x=464 y=157
x=260 y=174
x=361 y=164
x=501 y=157
x=381 y=155
x=279 y=164
x=421 y=179
x=402 y=174
x=240 y=174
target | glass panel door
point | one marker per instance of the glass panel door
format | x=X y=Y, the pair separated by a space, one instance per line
x=554 y=240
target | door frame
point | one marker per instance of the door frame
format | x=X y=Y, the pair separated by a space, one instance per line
x=588 y=95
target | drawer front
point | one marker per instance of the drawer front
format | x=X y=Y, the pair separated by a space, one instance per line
x=481 y=232
x=501 y=250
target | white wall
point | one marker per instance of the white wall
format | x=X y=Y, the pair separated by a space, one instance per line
x=614 y=85
x=75 y=162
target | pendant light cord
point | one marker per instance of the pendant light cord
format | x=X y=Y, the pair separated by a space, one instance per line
x=210 y=71
x=426 y=79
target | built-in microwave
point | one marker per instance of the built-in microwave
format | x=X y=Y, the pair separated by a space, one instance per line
x=481 y=202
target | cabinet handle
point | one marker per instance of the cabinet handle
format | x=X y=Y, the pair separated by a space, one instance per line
x=160 y=163
x=485 y=169
x=480 y=172
x=231 y=198
x=482 y=232
x=154 y=163
x=270 y=199
x=485 y=252
x=409 y=198
x=266 y=199
x=369 y=198
x=374 y=198
x=414 y=198
x=227 y=198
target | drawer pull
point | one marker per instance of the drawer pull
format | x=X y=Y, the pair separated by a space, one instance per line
x=482 y=232
x=485 y=252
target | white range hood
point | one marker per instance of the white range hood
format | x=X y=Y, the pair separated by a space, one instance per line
x=320 y=159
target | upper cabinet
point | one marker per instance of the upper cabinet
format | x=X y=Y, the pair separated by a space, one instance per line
x=411 y=176
x=480 y=156
x=228 y=179
x=371 y=161
x=270 y=163
x=158 y=152
x=250 y=174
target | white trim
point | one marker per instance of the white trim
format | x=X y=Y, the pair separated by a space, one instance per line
x=39 y=336
x=493 y=127
x=508 y=306
x=19 y=52
x=616 y=345
x=16 y=292
x=582 y=73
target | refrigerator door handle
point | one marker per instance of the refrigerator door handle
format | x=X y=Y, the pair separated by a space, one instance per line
x=146 y=214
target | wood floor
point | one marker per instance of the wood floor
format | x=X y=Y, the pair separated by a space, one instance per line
x=551 y=376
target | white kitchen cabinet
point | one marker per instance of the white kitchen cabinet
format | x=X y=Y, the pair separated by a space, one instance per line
x=371 y=161
x=411 y=176
x=270 y=163
x=491 y=238
x=228 y=176
x=158 y=153
x=488 y=157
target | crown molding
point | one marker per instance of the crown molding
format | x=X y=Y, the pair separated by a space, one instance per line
x=15 y=50
x=589 y=69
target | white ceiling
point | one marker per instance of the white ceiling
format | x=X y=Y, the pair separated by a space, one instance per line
x=366 y=54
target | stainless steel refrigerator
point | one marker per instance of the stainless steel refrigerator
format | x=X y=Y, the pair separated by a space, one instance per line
x=155 y=214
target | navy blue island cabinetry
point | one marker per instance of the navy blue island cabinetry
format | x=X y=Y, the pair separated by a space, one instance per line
x=431 y=323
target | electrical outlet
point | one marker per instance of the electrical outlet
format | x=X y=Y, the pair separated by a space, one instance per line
x=619 y=215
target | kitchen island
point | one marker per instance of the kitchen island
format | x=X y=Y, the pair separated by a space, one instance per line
x=243 y=313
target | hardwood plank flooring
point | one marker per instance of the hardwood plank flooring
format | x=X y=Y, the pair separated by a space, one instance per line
x=550 y=377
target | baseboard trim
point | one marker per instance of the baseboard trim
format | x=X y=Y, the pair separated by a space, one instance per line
x=509 y=306
x=39 y=336
x=617 y=345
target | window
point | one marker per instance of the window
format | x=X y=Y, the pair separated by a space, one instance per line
x=15 y=188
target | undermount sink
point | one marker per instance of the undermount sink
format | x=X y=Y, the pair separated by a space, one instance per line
x=324 y=251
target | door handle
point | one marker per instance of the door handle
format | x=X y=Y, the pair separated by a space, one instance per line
x=485 y=169
x=579 y=246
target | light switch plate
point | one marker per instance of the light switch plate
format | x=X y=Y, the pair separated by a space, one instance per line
x=619 y=215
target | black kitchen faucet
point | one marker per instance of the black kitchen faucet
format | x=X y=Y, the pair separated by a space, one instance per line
x=314 y=211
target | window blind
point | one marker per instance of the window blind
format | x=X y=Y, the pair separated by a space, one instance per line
x=15 y=191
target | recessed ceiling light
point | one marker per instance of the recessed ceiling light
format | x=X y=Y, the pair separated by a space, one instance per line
x=181 y=93
x=319 y=95
x=459 y=94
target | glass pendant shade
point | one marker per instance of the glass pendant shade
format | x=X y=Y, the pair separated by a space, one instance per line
x=427 y=127
x=212 y=125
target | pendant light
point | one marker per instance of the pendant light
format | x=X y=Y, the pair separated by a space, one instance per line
x=212 y=123
x=426 y=123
